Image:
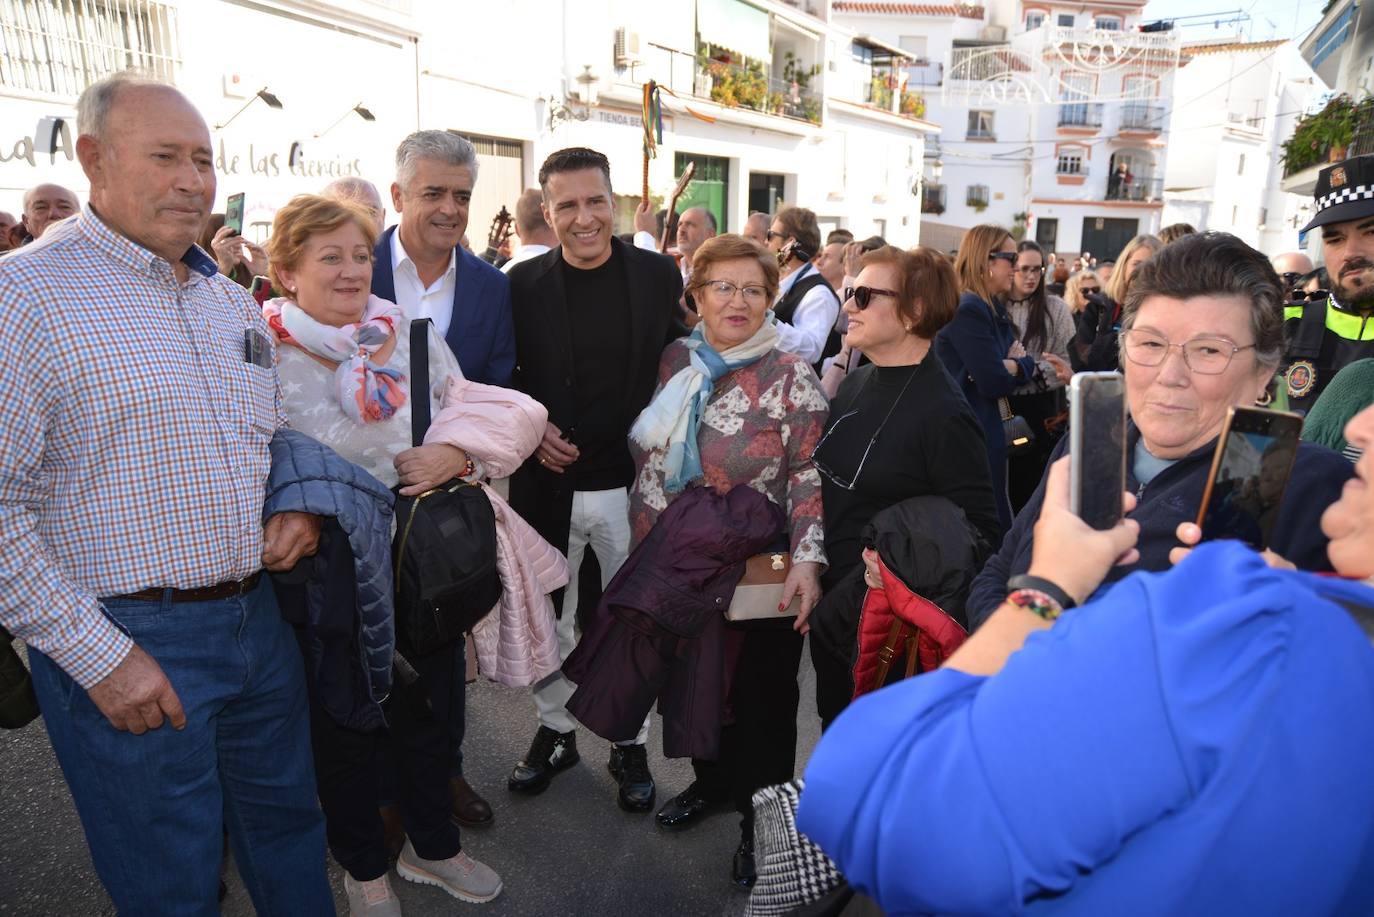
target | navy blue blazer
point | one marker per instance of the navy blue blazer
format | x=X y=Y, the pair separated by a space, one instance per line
x=480 y=333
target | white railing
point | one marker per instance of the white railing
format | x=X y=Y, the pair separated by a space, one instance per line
x=59 y=47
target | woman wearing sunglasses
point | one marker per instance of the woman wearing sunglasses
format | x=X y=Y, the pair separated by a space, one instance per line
x=1095 y=345
x=1079 y=287
x=898 y=429
x=979 y=346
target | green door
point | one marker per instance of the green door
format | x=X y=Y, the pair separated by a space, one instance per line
x=710 y=187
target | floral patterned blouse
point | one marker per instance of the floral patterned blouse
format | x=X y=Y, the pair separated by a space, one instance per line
x=759 y=428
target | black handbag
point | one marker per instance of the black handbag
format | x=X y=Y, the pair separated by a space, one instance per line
x=1016 y=430
x=445 y=545
x=18 y=705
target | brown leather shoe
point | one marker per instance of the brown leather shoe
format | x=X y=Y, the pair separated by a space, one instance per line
x=393 y=831
x=469 y=809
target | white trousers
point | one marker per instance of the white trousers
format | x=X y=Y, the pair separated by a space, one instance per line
x=601 y=520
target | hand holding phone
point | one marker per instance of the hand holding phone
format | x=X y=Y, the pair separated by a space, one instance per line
x=1250 y=469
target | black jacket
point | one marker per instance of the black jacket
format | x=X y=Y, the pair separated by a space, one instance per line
x=1173 y=497
x=1094 y=346
x=544 y=363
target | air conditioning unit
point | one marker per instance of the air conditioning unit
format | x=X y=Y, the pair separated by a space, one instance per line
x=626 y=47
x=993 y=33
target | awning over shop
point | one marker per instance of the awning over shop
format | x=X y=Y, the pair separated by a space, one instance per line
x=735 y=25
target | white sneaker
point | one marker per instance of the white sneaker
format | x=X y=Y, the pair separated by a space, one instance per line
x=373 y=898
x=460 y=875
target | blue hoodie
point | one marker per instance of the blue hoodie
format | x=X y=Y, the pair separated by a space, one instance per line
x=1193 y=742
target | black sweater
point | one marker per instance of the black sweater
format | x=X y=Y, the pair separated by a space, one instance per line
x=932 y=444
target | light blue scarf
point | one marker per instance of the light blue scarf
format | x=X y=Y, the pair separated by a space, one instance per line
x=673 y=418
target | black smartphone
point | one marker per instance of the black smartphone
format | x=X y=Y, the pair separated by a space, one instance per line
x=233 y=213
x=1250 y=470
x=1097 y=447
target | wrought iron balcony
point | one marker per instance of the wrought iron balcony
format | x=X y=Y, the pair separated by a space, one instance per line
x=1080 y=114
x=1138 y=116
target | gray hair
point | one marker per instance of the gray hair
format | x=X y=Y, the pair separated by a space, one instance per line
x=1214 y=264
x=351 y=188
x=93 y=108
x=445 y=146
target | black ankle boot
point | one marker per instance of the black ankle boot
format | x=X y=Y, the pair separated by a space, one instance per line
x=742 y=867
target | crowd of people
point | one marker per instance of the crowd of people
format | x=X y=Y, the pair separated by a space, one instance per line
x=206 y=574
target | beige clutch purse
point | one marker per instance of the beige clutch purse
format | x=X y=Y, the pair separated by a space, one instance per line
x=760 y=590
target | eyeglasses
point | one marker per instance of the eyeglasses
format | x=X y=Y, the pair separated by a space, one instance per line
x=1030 y=271
x=1308 y=295
x=1009 y=257
x=722 y=291
x=862 y=296
x=1088 y=291
x=830 y=474
x=1290 y=278
x=771 y=234
x=1205 y=356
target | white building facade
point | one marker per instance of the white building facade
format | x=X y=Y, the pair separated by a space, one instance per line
x=763 y=96
x=1039 y=104
x=1243 y=100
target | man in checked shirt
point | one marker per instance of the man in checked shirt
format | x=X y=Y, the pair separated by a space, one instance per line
x=140 y=399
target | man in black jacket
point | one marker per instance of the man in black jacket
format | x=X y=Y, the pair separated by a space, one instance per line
x=592 y=317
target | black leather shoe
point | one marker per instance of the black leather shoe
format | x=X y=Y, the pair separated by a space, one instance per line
x=629 y=765
x=742 y=867
x=549 y=753
x=688 y=808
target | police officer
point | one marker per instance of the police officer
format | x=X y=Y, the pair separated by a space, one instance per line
x=1326 y=333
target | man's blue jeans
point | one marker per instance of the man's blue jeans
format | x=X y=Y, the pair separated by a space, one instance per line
x=153 y=805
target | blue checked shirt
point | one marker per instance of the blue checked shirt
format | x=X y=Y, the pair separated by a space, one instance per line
x=133 y=438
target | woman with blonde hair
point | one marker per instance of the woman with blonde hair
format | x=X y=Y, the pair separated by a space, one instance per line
x=1078 y=288
x=979 y=347
x=1095 y=348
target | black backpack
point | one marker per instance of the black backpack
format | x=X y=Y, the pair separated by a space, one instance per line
x=445 y=544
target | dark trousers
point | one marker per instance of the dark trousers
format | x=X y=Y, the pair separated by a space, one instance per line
x=758 y=746
x=417 y=747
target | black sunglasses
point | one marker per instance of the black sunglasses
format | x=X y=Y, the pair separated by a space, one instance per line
x=1088 y=291
x=771 y=234
x=1308 y=295
x=1009 y=257
x=862 y=296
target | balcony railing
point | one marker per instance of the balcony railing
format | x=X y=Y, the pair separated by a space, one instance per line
x=1137 y=116
x=1080 y=114
x=1245 y=122
x=1140 y=190
x=752 y=87
x=932 y=198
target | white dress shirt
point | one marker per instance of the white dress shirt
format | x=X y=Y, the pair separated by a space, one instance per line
x=433 y=302
x=811 y=321
x=526 y=252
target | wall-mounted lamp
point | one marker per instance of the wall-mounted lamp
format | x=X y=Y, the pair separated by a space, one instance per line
x=587 y=93
x=358 y=109
x=271 y=100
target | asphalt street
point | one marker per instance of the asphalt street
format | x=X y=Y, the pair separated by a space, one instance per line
x=568 y=851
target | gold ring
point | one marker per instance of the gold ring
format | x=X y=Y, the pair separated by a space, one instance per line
x=542 y=461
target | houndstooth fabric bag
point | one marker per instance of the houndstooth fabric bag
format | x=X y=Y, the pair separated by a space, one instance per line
x=792 y=871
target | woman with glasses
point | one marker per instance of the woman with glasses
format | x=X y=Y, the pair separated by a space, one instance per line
x=1077 y=290
x=1095 y=345
x=1044 y=326
x=1202 y=332
x=898 y=428
x=732 y=409
x=979 y=346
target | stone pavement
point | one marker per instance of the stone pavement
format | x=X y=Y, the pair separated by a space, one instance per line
x=569 y=851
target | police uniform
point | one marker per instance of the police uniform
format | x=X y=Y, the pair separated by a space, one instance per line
x=1325 y=335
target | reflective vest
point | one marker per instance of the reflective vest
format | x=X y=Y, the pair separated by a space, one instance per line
x=1323 y=338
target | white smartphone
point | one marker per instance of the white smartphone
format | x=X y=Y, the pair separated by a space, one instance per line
x=1097 y=447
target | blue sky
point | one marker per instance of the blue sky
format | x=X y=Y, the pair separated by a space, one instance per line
x=1268 y=18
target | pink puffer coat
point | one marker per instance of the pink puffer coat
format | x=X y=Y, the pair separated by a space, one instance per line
x=500 y=428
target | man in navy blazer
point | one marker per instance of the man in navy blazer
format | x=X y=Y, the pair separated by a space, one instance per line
x=421 y=266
